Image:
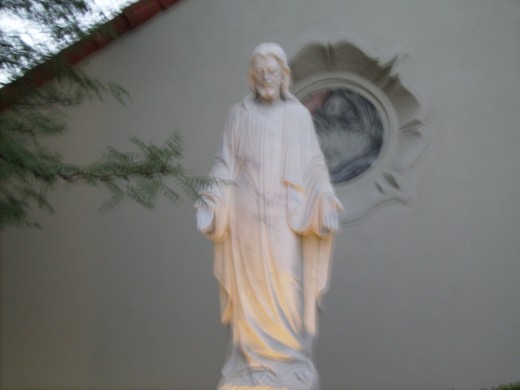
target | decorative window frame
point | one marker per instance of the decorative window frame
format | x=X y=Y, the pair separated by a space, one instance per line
x=347 y=65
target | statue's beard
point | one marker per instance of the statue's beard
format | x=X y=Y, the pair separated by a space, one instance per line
x=268 y=93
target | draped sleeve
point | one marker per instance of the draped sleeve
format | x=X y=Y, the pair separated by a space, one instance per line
x=306 y=175
x=218 y=196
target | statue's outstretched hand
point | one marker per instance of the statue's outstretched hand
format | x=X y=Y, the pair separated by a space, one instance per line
x=330 y=221
x=205 y=219
x=330 y=214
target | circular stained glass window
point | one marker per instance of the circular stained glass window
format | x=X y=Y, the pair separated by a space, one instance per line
x=349 y=128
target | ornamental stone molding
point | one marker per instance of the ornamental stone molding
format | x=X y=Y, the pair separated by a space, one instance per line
x=367 y=120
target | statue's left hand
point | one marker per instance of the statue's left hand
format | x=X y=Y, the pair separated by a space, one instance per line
x=330 y=214
x=330 y=221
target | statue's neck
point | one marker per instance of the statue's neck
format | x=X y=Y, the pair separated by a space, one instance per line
x=265 y=104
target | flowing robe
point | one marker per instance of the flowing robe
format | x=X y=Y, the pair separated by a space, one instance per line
x=272 y=253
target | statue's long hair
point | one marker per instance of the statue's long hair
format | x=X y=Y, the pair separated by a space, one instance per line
x=273 y=50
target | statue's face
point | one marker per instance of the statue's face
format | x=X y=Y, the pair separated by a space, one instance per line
x=267 y=78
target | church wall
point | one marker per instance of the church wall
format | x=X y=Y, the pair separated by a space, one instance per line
x=423 y=295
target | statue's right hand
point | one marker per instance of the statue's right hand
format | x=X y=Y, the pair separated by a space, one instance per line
x=205 y=219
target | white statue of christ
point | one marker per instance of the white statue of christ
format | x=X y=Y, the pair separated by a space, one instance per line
x=272 y=230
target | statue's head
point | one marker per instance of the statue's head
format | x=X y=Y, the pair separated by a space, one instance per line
x=269 y=74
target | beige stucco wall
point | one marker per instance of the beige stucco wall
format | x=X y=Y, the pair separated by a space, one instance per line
x=423 y=296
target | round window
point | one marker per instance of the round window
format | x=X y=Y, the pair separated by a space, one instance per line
x=349 y=129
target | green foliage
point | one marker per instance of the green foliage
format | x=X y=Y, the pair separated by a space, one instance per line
x=510 y=386
x=29 y=112
x=28 y=173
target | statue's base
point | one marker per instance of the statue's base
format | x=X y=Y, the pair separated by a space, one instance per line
x=304 y=378
x=268 y=374
x=234 y=387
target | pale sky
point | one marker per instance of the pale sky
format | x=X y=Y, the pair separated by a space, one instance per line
x=32 y=33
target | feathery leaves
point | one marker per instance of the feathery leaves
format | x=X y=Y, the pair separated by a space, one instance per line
x=28 y=112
